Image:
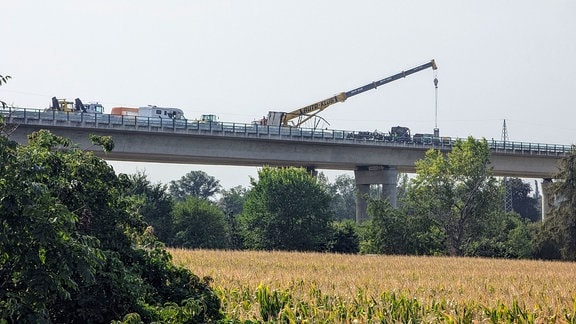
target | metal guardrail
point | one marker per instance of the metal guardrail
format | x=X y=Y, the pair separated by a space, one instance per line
x=184 y=126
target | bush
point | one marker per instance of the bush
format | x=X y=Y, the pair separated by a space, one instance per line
x=73 y=249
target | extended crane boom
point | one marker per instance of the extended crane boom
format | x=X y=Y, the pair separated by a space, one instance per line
x=276 y=118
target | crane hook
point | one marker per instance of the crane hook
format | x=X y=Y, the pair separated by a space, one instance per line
x=436 y=83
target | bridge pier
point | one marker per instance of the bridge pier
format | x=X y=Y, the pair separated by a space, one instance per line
x=365 y=176
x=547 y=200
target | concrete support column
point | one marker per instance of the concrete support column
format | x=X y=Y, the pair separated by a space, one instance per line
x=365 y=176
x=363 y=190
x=547 y=197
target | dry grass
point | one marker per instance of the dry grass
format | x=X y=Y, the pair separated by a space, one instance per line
x=546 y=289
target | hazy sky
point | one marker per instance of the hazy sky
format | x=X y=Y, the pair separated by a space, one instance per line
x=513 y=60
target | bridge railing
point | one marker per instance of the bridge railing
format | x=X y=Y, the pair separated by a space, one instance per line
x=155 y=124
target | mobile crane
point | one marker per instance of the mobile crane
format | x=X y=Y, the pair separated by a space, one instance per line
x=277 y=118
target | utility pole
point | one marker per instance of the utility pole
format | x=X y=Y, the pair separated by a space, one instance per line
x=508 y=191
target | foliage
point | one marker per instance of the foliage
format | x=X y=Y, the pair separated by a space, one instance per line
x=521 y=240
x=509 y=236
x=547 y=241
x=232 y=204
x=522 y=203
x=395 y=231
x=344 y=238
x=386 y=232
x=286 y=209
x=105 y=141
x=152 y=202
x=199 y=224
x=456 y=193
x=73 y=248
x=343 y=192
x=4 y=79
x=562 y=220
x=232 y=201
x=196 y=184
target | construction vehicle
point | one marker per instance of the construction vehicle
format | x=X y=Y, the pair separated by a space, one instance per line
x=77 y=106
x=208 y=119
x=299 y=116
x=400 y=134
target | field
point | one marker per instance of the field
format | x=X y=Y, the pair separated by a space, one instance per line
x=325 y=288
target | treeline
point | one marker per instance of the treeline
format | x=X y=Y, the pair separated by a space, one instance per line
x=452 y=206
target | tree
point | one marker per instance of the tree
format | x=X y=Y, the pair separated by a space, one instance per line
x=74 y=249
x=394 y=231
x=232 y=204
x=456 y=193
x=344 y=238
x=562 y=221
x=521 y=240
x=196 y=184
x=286 y=209
x=232 y=201
x=343 y=192
x=387 y=232
x=199 y=224
x=154 y=204
x=522 y=203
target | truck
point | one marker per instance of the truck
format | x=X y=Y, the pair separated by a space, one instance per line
x=124 y=111
x=208 y=118
x=298 y=117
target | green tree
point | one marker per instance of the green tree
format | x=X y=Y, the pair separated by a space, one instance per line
x=344 y=237
x=394 y=231
x=194 y=183
x=154 y=204
x=508 y=236
x=386 y=232
x=343 y=192
x=522 y=203
x=521 y=240
x=232 y=201
x=457 y=193
x=232 y=204
x=199 y=224
x=562 y=221
x=74 y=249
x=286 y=209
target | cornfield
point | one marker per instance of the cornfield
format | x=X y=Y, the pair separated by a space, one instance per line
x=293 y=287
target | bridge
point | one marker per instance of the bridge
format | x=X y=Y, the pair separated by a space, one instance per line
x=219 y=143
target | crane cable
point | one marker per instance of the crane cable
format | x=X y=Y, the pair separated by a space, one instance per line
x=436 y=101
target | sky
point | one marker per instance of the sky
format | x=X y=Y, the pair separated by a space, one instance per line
x=497 y=60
